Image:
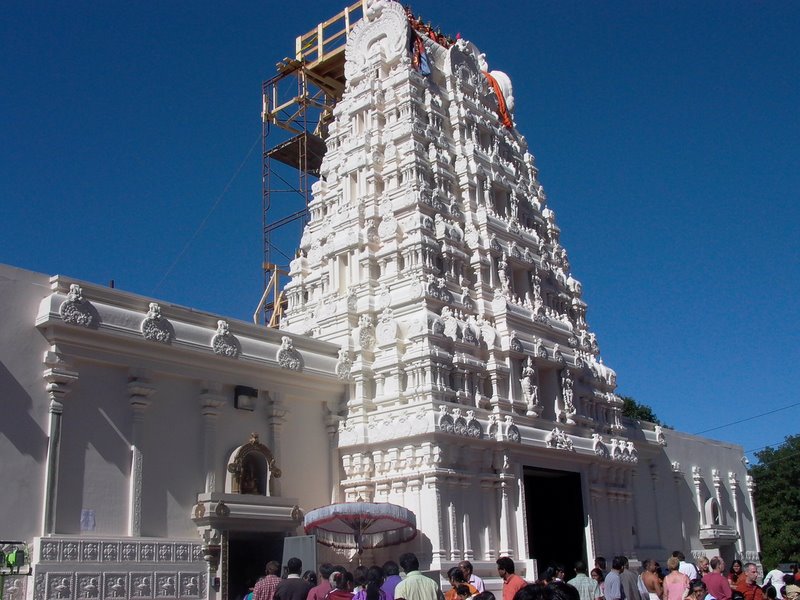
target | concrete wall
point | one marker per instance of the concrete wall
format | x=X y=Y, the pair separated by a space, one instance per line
x=23 y=403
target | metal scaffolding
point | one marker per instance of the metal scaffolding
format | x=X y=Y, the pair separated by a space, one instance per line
x=297 y=106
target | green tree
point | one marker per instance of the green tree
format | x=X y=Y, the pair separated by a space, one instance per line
x=631 y=408
x=777 y=497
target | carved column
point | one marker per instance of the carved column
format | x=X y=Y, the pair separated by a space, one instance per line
x=57 y=377
x=677 y=477
x=434 y=528
x=276 y=417
x=613 y=510
x=140 y=391
x=414 y=501
x=737 y=517
x=490 y=522
x=507 y=486
x=656 y=510
x=468 y=553
x=211 y=402
x=718 y=494
x=631 y=509
x=751 y=487
x=697 y=478
x=595 y=499
x=455 y=553
x=332 y=420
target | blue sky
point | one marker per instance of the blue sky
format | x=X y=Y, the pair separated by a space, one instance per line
x=666 y=134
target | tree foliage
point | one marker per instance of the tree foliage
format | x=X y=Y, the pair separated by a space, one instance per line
x=631 y=408
x=776 y=499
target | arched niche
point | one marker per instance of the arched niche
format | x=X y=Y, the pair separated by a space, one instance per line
x=250 y=469
x=713 y=512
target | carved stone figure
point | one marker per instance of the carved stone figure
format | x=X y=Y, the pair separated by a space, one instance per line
x=530 y=389
x=287 y=356
x=566 y=393
x=224 y=343
x=344 y=364
x=155 y=327
x=76 y=310
x=559 y=440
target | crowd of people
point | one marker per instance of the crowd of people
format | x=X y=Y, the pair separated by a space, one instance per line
x=708 y=579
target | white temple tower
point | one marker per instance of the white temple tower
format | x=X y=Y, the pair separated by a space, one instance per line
x=158 y=451
x=432 y=258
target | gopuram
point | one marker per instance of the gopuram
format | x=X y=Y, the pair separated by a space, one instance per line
x=434 y=353
x=478 y=397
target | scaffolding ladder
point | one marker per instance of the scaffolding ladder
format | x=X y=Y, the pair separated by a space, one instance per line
x=297 y=104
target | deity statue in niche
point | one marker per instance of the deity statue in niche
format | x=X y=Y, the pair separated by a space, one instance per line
x=250 y=481
x=250 y=469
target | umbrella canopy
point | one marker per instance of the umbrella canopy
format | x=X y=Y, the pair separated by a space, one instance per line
x=360 y=525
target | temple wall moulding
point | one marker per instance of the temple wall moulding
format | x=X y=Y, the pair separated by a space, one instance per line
x=456 y=423
x=70 y=568
x=399 y=462
x=59 y=549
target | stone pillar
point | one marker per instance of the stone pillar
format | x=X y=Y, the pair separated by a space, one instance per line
x=751 y=487
x=414 y=501
x=595 y=518
x=520 y=517
x=677 y=477
x=57 y=377
x=718 y=494
x=631 y=510
x=490 y=511
x=331 y=419
x=140 y=391
x=468 y=553
x=433 y=497
x=737 y=518
x=452 y=521
x=212 y=551
x=276 y=416
x=211 y=402
x=697 y=478
x=656 y=510
x=507 y=486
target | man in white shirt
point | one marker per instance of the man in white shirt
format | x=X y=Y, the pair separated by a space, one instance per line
x=472 y=579
x=686 y=568
x=775 y=579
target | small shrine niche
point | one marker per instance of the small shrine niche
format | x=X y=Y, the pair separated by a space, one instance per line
x=251 y=469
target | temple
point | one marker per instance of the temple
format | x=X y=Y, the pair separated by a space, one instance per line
x=431 y=350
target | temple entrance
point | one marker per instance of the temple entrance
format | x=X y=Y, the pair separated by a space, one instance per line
x=248 y=553
x=556 y=521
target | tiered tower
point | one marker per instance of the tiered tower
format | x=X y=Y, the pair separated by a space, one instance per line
x=432 y=258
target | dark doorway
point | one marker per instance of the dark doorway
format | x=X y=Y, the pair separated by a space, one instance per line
x=554 y=509
x=248 y=554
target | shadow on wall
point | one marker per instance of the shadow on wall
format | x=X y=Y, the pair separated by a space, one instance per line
x=16 y=423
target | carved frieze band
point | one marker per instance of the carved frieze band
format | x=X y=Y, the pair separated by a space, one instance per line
x=65 y=585
x=109 y=551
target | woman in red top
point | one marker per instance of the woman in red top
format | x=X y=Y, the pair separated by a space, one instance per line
x=735 y=572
